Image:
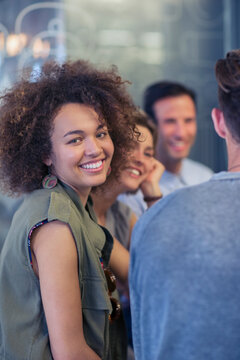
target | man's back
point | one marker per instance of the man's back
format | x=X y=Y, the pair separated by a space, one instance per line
x=185 y=274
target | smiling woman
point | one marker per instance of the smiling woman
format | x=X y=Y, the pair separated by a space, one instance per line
x=141 y=169
x=81 y=149
x=57 y=139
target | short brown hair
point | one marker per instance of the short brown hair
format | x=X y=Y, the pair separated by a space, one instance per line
x=162 y=90
x=228 y=77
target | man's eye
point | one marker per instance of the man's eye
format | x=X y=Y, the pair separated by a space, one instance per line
x=170 y=121
x=189 y=120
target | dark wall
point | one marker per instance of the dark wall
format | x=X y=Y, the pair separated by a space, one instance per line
x=148 y=41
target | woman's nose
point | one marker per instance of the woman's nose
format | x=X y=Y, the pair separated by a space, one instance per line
x=138 y=157
x=92 y=147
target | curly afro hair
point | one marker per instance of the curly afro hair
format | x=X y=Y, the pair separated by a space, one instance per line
x=27 y=112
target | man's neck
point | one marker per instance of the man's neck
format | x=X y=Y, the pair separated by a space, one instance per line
x=173 y=167
x=233 y=149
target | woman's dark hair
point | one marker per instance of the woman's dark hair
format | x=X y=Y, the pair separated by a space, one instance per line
x=142 y=119
x=228 y=77
x=28 y=109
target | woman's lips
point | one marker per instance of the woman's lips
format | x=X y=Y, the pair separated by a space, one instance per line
x=93 y=166
x=134 y=172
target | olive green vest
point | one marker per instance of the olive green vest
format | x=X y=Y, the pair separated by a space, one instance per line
x=23 y=330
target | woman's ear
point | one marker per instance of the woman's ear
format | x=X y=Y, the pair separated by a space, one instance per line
x=47 y=162
x=219 y=122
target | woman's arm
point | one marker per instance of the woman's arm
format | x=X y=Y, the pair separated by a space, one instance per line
x=119 y=261
x=133 y=220
x=56 y=264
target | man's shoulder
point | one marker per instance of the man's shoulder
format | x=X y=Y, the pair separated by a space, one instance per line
x=178 y=203
x=195 y=172
x=197 y=166
x=153 y=212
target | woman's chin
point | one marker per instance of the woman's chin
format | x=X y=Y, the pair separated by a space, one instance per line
x=131 y=190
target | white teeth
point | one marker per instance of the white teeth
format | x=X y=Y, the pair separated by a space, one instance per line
x=179 y=143
x=92 y=165
x=135 y=172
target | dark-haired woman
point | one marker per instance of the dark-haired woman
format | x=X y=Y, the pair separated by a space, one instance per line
x=57 y=138
x=140 y=170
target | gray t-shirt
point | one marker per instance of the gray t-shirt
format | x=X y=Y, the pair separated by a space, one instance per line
x=185 y=274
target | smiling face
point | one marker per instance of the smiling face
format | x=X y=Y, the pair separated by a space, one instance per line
x=140 y=163
x=81 y=148
x=176 y=125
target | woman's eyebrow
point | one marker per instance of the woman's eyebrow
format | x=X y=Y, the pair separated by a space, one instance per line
x=101 y=126
x=74 y=132
x=81 y=132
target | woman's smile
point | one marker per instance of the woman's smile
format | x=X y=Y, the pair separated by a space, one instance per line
x=93 y=166
x=140 y=163
x=134 y=172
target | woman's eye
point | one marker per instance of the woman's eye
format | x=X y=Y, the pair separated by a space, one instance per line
x=75 y=141
x=148 y=155
x=102 y=134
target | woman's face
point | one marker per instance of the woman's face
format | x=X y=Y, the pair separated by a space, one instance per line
x=81 y=148
x=140 y=163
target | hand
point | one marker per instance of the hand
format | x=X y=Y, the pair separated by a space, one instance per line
x=150 y=186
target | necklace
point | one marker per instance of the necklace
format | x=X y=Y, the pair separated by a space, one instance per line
x=234 y=167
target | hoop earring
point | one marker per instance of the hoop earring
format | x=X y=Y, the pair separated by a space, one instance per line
x=49 y=181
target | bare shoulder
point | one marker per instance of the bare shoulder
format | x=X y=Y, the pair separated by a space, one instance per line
x=52 y=245
x=51 y=232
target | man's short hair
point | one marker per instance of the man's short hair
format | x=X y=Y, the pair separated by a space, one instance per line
x=161 y=90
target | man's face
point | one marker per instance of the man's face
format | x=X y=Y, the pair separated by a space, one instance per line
x=177 y=127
